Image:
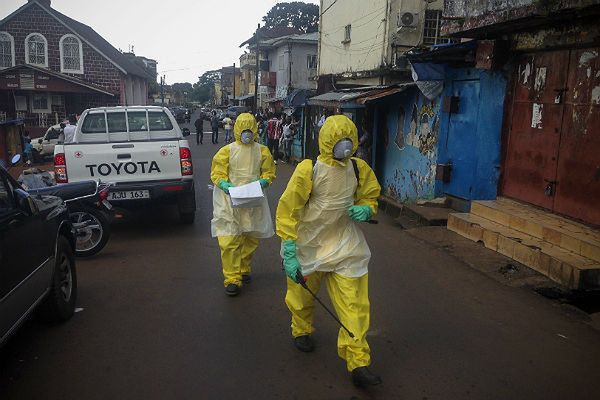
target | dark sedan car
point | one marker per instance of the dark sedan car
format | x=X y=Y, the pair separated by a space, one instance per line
x=179 y=113
x=37 y=266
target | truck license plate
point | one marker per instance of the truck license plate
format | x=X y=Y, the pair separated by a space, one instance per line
x=129 y=195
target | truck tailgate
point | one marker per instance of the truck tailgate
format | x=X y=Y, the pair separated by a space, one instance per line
x=123 y=162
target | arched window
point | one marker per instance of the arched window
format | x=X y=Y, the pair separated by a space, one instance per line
x=36 y=50
x=7 y=50
x=71 y=55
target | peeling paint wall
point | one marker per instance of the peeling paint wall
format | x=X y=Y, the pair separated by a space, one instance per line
x=464 y=15
x=579 y=34
x=407 y=157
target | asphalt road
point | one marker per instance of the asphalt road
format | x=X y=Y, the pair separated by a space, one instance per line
x=156 y=324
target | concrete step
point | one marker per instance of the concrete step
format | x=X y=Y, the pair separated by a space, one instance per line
x=427 y=215
x=562 y=266
x=559 y=231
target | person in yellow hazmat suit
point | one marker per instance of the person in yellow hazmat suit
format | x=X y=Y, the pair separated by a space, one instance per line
x=316 y=220
x=239 y=229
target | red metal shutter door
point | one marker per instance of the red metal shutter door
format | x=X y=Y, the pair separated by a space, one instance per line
x=531 y=156
x=578 y=187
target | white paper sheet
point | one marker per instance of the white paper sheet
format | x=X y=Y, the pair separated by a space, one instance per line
x=246 y=196
x=249 y=191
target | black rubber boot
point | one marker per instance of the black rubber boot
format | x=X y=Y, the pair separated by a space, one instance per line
x=304 y=343
x=362 y=377
x=246 y=278
x=232 y=290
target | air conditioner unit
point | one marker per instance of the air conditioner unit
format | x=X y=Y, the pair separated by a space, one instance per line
x=408 y=20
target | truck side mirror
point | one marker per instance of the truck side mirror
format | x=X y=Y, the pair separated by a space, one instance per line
x=25 y=202
x=40 y=141
x=185 y=132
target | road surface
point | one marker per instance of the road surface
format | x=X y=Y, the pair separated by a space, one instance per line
x=155 y=324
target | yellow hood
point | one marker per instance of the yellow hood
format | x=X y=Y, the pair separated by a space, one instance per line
x=245 y=122
x=336 y=128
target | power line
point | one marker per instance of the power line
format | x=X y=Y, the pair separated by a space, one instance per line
x=327 y=9
x=358 y=19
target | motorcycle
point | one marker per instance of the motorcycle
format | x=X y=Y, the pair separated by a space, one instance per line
x=89 y=209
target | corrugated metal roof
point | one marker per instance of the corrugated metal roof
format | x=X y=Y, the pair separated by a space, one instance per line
x=384 y=93
x=357 y=95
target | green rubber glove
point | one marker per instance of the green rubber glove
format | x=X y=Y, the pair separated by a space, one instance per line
x=290 y=261
x=360 y=213
x=264 y=183
x=224 y=185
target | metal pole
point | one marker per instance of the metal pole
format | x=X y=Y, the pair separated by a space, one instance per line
x=234 y=84
x=255 y=106
x=162 y=89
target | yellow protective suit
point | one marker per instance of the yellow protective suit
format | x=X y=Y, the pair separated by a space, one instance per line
x=238 y=229
x=329 y=245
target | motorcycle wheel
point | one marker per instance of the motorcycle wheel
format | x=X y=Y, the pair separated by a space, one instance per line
x=91 y=239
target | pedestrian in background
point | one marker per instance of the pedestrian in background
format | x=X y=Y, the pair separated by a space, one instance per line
x=214 y=123
x=273 y=136
x=262 y=131
x=28 y=151
x=70 y=129
x=364 y=143
x=289 y=134
x=227 y=124
x=199 y=124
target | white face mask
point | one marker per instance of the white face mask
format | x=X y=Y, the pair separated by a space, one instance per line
x=247 y=137
x=342 y=149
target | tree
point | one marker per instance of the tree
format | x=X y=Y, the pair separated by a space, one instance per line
x=295 y=14
x=202 y=91
x=182 y=92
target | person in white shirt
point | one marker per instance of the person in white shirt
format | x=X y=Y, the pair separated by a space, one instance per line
x=69 y=130
x=227 y=124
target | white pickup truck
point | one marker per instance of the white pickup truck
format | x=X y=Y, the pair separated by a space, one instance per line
x=141 y=149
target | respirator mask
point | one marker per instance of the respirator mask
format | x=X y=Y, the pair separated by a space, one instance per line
x=247 y=137
x=342 y=149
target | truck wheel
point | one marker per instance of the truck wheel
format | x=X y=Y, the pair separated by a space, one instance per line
x=59 y=305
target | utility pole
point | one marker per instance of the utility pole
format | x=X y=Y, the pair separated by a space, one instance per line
x=162 y=89
x=256 y=39
x=289 y=52
x=234 y=84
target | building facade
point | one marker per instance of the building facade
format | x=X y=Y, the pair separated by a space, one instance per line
x=52 y=66
x=551 y=130
x=364 y=42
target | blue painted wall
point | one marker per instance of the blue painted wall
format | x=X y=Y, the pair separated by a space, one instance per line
x=414 y=134
x=406 y=147
x=471 y=139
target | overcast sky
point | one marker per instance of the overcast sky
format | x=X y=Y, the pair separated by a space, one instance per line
x=186 y=37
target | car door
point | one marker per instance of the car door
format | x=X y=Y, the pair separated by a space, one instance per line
x=21 y=255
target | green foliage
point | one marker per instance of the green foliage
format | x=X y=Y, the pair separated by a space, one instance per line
x=202 y=90
x=295 y=14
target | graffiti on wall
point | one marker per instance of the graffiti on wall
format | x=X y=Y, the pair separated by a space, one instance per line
x=410 y=171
